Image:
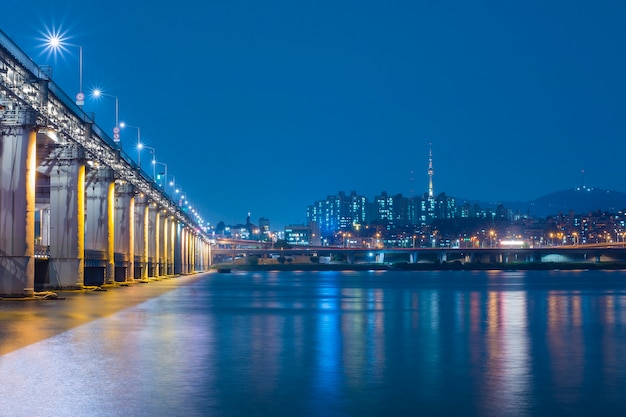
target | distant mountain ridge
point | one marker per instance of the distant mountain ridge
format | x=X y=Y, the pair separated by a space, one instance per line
x=580 y=200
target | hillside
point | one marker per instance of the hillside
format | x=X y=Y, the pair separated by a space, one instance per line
x=580 y=200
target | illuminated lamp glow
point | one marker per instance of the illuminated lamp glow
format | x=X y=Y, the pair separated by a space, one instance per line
x=513 y=242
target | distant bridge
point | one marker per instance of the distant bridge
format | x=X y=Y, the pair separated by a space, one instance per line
x=595 y=253
x=74 y=208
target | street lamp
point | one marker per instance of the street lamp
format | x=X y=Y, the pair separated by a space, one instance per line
x=122 y=126
x=180 y=191
x=155 y=162
x=346 y=239
x=56 y=43
x=140 y=146
x=172 y=183
x=97 y=93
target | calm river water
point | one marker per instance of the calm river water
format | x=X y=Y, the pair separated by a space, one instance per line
x=384 y=343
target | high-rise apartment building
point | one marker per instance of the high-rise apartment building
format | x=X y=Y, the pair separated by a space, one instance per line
x=344 y=212
x=338 y=212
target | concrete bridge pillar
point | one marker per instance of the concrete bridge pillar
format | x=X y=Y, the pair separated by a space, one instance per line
x=17 y=211
x=66 y=266
x=443 y=257
x=158 y=244
x=178 y=249
x=141 y=237
x=125 y=231
x=209 y=247
x=171 y=245
x=206 y=255
x=192 y=251
x=209 y=261
x=197 y=254
x=188 y=250
x=100 y=229
x=163 y=246
x=44 y=225
x=166 y=249
x=184 y=247
x=201 y=254
x=150 y=233
x=100 y=216
x=380 y=257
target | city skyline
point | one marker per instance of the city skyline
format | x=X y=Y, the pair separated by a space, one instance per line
x=264 y=109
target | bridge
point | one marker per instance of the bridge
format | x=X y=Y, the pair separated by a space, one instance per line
x=75 y=210
x=228 y=252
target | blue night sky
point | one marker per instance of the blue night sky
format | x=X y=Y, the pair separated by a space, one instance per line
x=268 y=106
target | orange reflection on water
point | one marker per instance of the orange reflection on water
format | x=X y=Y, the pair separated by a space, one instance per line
x=507 y=378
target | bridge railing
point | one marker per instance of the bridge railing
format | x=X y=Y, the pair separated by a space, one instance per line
x=21 y=56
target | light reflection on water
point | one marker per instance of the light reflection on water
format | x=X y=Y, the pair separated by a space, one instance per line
x=341 y=344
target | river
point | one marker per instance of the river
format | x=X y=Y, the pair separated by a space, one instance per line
x=367 y=343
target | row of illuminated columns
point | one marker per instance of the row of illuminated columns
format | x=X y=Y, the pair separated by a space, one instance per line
x=98 y=230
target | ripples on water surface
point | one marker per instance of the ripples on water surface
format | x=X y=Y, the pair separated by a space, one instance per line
x=531 y=343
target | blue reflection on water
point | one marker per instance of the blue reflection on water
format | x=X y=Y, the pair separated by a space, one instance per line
x=341 y=344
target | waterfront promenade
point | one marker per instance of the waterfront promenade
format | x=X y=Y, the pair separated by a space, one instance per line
x=27 y=321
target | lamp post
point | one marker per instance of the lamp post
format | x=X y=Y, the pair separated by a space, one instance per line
x=155 y=162
x=116 y=130
x=172 y=183
x=180 y=191
x=139 y=145
x=56 y=43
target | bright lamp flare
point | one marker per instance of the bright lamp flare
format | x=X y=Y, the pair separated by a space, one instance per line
x=54 y=42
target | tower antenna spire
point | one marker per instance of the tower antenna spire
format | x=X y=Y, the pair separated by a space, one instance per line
x=431 y=171
x=430 y=206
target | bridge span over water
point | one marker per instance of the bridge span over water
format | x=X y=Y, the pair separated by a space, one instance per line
x=578 y=254
x=74 y=208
